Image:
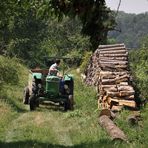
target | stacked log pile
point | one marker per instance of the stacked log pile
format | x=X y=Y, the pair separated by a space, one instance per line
x=92 y=69
x=109 y=71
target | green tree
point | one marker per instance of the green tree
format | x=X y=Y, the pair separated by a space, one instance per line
x=133 y=28
x=21 y=32
x=95 y=17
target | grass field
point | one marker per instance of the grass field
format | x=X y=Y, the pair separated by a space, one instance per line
x=50 y=126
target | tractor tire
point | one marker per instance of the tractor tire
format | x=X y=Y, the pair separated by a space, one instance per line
x=26 y=96
x=32 y=102
x=68 y=105
x=37 y=102
x=71 y=102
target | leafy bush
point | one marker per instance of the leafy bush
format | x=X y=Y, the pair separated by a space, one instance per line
x=139 y=67
x=85 y=61
x=10 y=71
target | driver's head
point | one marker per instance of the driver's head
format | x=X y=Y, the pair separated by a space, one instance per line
x=57 y=61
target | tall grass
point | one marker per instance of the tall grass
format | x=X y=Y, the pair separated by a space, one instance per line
x=49 y=126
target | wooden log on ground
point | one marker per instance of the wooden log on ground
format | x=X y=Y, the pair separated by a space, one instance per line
x=132 y=120
x=108 y=113
x=115 y=132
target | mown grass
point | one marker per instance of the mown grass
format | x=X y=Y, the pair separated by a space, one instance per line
x=49 y=126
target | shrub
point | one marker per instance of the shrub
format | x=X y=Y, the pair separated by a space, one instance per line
x=139 y=67
x=85 y=61
x=8 y=71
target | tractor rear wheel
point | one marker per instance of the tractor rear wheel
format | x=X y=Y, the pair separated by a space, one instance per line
x=26 y=96
x=69 y=103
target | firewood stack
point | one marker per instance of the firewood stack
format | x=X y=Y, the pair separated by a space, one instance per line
x=112 y=77
x=92 y=69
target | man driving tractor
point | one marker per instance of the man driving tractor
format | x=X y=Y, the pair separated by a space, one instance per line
x=54 y=69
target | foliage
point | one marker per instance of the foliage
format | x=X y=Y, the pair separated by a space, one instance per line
x=133 y=27
x=139 y=66
x=95 y=23
x=21 y=32
x=64 y=38
x=85 y=61
x=8 y=71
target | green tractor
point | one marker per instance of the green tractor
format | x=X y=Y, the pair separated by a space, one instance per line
x=43 y=88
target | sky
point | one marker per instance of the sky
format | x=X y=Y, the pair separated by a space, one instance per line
x=129 y=6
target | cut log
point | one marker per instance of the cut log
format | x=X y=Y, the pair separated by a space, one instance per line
x=125 y=88
x=107 y=86
x=113 y=62
x=116 y=80
x=120 y=94
x=112 y=73
x=115 y=132
x=113 y=55
x=113 y=66
x=113 y=58
x=113 y=94
x=132 y=120
x=128 y=103
x=131 y=97
x=121 y=51
x=111 y=46
x=127 y=93
x=122 y=97
x=108 y=77
x=123 y=84
x=112 y=89
x=116 y=108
